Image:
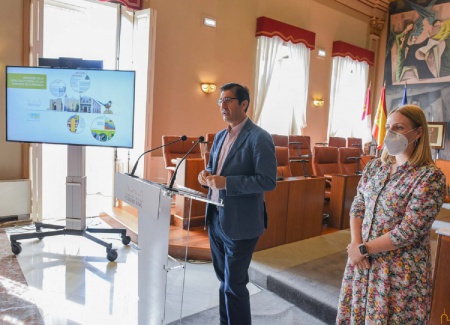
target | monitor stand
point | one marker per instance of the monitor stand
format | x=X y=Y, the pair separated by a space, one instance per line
x=75 y=210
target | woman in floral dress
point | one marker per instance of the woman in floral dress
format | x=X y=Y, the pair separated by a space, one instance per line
x=387 y=279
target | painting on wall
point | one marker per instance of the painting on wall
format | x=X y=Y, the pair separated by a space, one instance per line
x=418 y=56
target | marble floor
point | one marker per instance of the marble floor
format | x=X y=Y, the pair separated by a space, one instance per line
x=70 y=281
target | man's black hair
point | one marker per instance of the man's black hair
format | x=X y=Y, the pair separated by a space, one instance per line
x=241 y=92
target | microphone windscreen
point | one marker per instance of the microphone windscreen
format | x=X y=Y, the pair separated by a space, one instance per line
x=201 y=138
x=183 y=138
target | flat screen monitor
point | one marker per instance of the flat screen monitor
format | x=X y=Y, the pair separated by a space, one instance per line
x=87 y=107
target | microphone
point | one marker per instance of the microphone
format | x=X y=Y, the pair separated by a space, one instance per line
x=182 y=138
x=172 y=180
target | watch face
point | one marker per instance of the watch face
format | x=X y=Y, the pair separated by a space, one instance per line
x=363 y=249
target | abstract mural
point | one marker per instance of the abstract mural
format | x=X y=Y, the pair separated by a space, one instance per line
x=418 y=55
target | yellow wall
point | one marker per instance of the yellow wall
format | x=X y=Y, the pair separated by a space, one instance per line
x=10 y=54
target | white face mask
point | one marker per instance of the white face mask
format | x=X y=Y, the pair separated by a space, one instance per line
x=396 y=143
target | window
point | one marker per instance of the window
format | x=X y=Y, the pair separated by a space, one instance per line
x=348 y=89
x=89 y=30
x=283 y=110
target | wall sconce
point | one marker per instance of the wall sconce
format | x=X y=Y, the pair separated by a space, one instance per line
x=318 y=102
x=208 y=88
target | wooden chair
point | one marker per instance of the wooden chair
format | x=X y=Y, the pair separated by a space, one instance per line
x=349 y=161
x=365 y=159
x=178 y=150
x=300 y=155
x=299 y=146
x=280 y=140
x=326 y=163
x=355 y=143
x=209 y=139
x=283 y=167
x=337 y=142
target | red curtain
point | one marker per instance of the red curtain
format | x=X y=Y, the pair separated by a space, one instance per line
x=132 y=4
x=356 y=53
x=270 y=27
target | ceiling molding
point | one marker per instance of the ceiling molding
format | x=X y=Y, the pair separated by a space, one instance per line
x=370 y=8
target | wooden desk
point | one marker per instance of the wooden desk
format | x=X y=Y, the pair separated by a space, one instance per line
x=440 y=307
x=277 y=211
x=187 y=176
x=343 y=191
x=294 y=211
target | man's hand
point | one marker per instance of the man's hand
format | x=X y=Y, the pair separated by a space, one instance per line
x=202 y=177
x=216 y=182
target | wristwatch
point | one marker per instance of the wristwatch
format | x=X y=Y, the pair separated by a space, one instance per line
x=363 y=250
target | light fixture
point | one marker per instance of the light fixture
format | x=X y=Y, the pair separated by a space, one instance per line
x=318 y=102
x=208 y=87
x=209 y=22
x=321 y=53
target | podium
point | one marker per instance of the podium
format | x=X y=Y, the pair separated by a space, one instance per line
x=187 y=176
x=153 y=201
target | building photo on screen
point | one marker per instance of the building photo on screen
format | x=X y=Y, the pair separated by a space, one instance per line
x=89 y=107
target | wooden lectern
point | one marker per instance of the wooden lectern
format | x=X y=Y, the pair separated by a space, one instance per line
x=440 y=308
x=187 y=177
x=153 y=201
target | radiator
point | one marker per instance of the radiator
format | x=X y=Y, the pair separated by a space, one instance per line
x=15 y=198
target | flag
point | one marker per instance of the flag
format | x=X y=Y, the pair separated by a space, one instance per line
x=405 y=97
x=379 y=128
x=367 y=118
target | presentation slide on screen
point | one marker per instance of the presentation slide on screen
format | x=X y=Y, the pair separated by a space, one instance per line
x=70 y=106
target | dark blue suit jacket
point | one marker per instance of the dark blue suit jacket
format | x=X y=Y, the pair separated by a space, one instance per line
x=251 y=169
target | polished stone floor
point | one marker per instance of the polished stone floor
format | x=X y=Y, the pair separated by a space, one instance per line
x=70 y=281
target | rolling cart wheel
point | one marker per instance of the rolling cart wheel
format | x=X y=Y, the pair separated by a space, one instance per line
x=112 y=255
x=16 y=248
x=126 y=240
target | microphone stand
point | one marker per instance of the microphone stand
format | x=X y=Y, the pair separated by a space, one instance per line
x=356 y=159
x=172 y=180
x=182 y=138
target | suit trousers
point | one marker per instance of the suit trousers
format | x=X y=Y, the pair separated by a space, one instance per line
x=231 y=260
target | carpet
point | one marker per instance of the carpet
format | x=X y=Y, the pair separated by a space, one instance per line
x=312 y=286
x=16 y=304
x=267 y=309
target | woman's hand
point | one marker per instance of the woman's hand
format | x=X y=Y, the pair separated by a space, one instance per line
x=356 y=258
x=364 y=264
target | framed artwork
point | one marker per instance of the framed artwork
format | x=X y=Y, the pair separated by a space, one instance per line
x=436 y=132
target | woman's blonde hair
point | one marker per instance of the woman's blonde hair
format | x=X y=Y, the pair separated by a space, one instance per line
x=421 y=154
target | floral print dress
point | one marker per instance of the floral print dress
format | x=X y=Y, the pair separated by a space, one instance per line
x=396 y=289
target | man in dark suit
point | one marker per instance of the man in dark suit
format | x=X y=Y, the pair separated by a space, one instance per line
x=241 y=167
